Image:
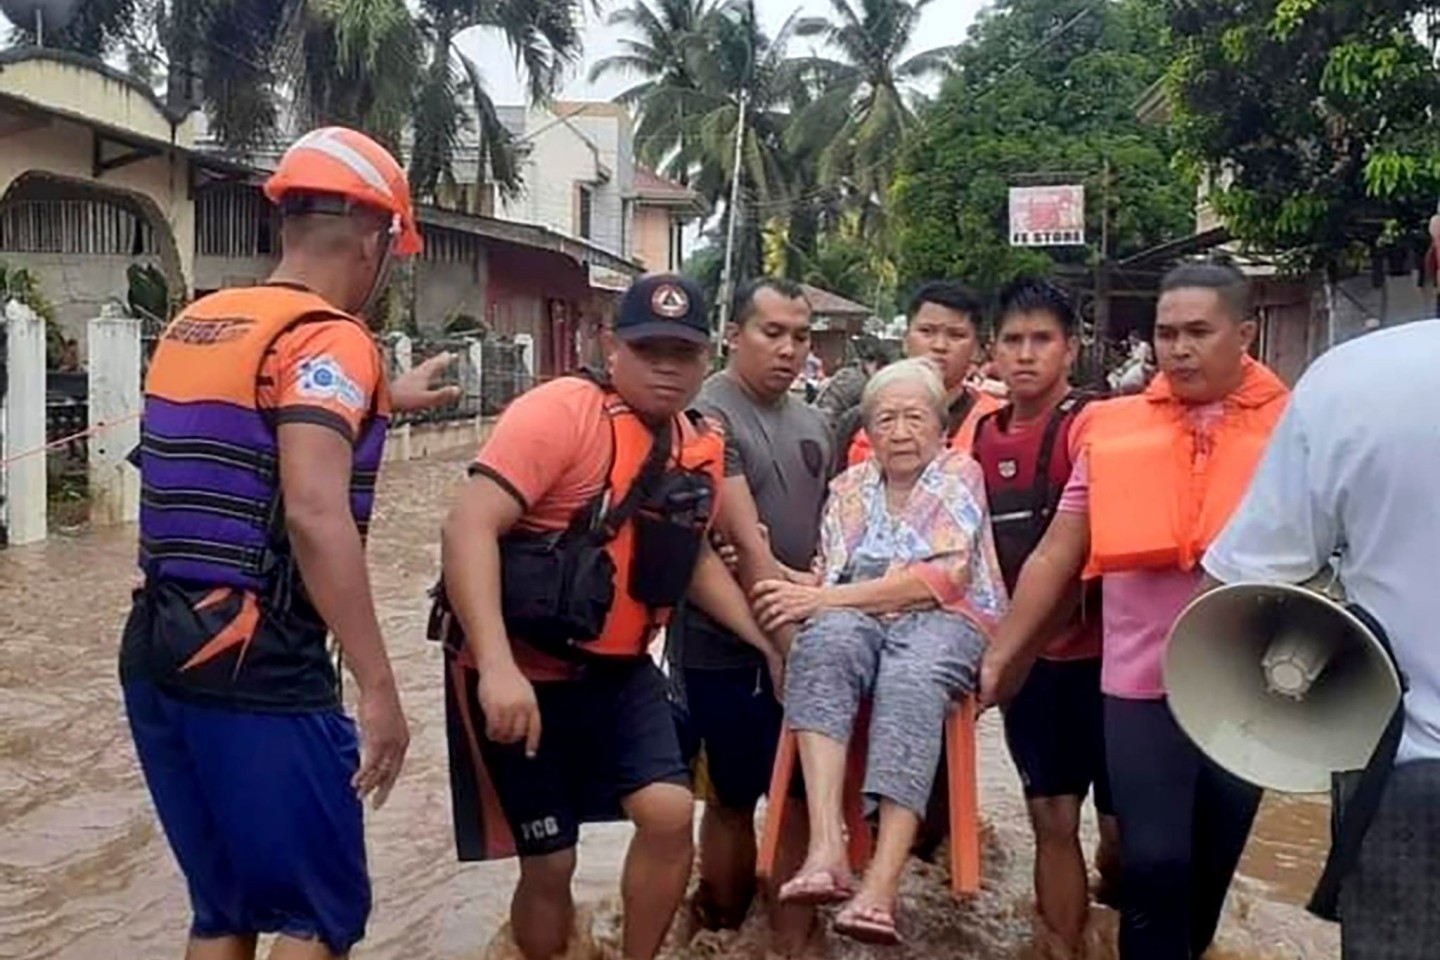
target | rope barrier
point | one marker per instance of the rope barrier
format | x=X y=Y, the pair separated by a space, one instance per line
x=81 y=435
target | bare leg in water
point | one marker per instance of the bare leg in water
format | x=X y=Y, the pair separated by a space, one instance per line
x=542 y=912
x=287 y=948
x=727 y=874
x=243 y=948
x=1062 y=891
x=1107 y=861
x=727 y=866
x=791 y=924
x=875 y=904
x=657 y=867
x=823 y=760
x=221 y=948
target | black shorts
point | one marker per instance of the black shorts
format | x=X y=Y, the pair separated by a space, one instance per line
x=604 y=736
x=732 y=714
x=1387 y=902
x=1055 y=728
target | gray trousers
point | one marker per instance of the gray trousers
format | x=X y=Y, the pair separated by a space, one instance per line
x=1390 y=902
x=910 y=666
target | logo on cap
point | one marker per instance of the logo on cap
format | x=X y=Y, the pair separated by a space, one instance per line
x=669 y=301
x=1008 y=469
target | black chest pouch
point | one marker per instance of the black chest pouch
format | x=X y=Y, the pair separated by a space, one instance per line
x=669 y=530
x=556 y=589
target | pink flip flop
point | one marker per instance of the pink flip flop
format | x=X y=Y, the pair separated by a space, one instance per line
x=867 y=924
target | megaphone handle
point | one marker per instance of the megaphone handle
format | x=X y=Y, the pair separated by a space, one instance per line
x=1358 y=811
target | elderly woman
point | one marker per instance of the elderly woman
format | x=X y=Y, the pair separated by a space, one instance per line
x=910 y=585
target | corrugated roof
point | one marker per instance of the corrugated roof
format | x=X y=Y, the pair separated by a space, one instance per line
x=829 y=304
x=649 y=184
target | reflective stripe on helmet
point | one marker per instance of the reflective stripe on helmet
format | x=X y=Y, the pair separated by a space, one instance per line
x=328 y=142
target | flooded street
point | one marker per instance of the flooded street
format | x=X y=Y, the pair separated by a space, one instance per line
x=85 y=873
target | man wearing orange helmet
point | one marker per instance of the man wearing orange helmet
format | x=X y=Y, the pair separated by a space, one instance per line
x=264 y=423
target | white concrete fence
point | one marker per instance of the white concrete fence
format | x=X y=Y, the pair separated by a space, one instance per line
x=114 y=402
x=114 y=407
x=24 y=426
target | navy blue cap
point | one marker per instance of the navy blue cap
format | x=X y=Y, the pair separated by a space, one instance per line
x=663 y=305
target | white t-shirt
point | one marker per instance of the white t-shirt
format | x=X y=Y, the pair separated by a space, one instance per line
x=1354 y=467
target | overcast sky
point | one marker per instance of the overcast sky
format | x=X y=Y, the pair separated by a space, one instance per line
x=945 y=22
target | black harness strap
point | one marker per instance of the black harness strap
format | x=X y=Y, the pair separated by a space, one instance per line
x=1352 y=816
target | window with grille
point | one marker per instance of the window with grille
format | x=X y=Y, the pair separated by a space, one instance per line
x=76 y=227
x=586 y=215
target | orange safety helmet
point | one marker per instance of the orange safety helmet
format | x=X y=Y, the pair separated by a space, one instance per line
x=346 y=163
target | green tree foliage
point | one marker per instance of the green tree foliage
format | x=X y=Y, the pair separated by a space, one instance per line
x=693 y=60
x=667 y=39
x=1313 y=119
x=845 y=263
x=1046 y=92
x=873 y=84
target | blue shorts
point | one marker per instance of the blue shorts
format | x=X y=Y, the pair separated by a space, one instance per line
x=260 y=813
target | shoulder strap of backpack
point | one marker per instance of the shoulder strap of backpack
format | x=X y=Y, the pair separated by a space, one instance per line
x=998 y=419
x=645 y=483
x=1043 y=493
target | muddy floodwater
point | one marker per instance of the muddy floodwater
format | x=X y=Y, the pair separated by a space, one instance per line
x=85 y=873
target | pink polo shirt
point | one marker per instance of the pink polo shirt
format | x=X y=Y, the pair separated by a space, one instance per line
x=1139 y=606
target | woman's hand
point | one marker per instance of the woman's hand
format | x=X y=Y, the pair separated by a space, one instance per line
x=779 y=602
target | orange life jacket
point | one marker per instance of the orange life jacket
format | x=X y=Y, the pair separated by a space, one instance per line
x=631 y=624
x=208 y=458
x=1161 y=488
x=960 y=430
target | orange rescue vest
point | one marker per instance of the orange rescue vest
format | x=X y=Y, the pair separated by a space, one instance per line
x=209 y=458
x=632 y=625
x=1162 y=488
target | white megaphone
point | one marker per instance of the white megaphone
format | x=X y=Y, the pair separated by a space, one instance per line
x=1283 y=686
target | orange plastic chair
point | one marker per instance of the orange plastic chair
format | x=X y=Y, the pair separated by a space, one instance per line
x=961 y=774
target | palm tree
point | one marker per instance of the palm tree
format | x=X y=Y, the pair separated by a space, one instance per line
x=671 y=37
x=745 y=62
x=375 y=64
x=874 y=83
x=696 y=62
x=544 y=37
x=358 y=63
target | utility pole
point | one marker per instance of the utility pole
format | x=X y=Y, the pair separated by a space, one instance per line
x=727 y=282
x=1102 y=273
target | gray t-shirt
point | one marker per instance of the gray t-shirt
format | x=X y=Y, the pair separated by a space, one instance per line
x=784 y=451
